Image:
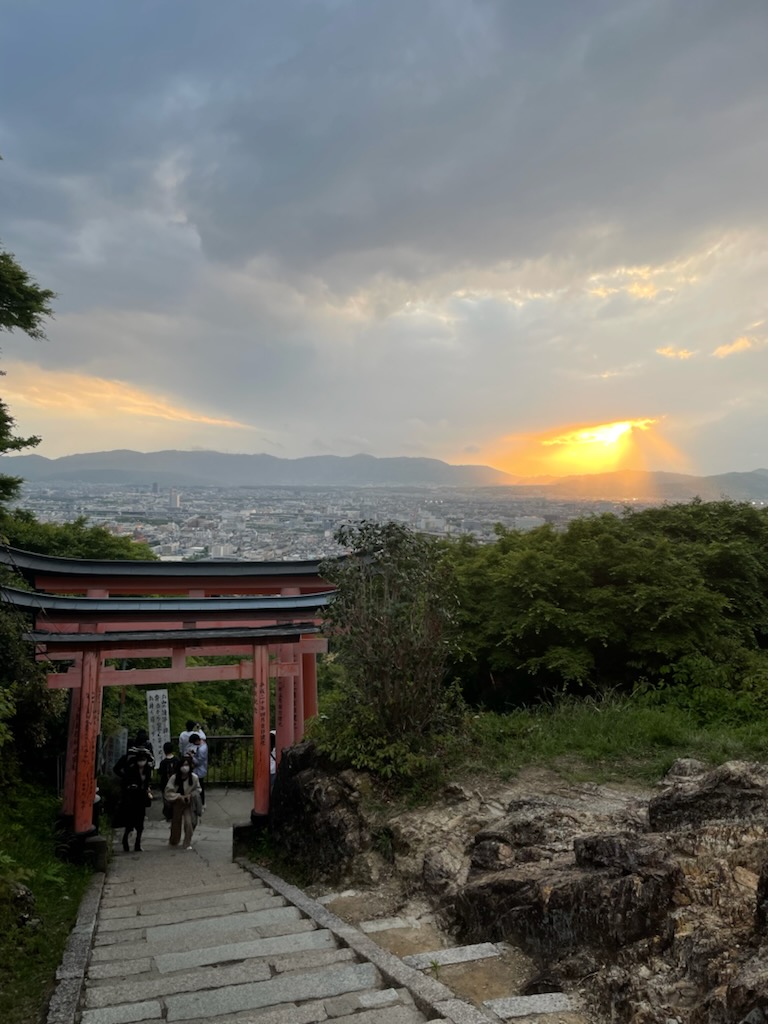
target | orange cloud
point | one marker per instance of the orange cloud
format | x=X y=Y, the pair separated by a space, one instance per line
x=742 y=344
x=80 y=396
x=669 y=352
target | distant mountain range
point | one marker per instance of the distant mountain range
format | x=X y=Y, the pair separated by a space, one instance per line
x=215 y=469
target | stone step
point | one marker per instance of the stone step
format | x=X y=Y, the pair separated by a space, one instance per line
x=456 y=1011
x=179 y=873
x=207 y=929
x=116 y=973
x=244 y=903
x=321 y=984
x=207 y=897
x=131 y=893
x=234 y=990
x=158 y=985
x=319 y=939
x=168 y=870
x=385 y=924
x=315 y=1012
x=287 y=930
x=515 y=1007
x=452 y=955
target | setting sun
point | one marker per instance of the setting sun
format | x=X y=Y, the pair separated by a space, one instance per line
x=586 y=448
x=594 y=449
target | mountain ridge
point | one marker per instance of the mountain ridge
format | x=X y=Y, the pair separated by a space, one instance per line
x=177 y=468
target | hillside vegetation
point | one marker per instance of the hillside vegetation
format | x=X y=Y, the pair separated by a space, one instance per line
x=624 y=639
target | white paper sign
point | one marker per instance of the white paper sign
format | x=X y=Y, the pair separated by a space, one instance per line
x=159 y=721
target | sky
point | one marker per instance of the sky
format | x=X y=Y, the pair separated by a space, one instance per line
x=531 y=234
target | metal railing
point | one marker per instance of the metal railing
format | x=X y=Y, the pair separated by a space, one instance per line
x=230 y=761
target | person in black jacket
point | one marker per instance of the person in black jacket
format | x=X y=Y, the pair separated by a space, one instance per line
x=134 y=770
x=167 y=768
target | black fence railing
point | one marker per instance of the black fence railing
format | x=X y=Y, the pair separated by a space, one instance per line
x=230 y=761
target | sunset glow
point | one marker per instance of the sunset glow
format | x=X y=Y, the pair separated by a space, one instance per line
x=587 y=448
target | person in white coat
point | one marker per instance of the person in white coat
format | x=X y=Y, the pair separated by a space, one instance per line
x=183 y=795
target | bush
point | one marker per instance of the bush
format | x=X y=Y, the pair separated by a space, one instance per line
x=392 y=624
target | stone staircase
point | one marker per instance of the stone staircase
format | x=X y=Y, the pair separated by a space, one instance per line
x=178 y=935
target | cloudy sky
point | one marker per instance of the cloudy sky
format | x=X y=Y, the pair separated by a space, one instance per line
x=528 y=233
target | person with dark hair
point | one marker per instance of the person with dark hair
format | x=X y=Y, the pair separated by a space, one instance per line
x=167 y=767
x=134 y=770
x=198 y=751
x=184 y=736
x=142 y=740
x=191 y=726
x=183 y=794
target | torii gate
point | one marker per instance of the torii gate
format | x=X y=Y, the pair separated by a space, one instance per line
x=254 y=609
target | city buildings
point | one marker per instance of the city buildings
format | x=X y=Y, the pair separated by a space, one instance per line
x=285 y=523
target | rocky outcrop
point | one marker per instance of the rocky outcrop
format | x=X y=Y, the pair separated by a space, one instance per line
x=314 y=814
x=654 y=906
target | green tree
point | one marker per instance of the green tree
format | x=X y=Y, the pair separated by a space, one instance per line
x=20 y=529
x=24 y=306
x=25 y=707
x=10 y=442
x=677 y=594
x=392 y=623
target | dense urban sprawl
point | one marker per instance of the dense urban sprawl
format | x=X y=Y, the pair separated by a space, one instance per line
x=289 y=523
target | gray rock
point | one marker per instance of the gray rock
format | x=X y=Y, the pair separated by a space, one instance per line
x=736 y=791
x=314 y=813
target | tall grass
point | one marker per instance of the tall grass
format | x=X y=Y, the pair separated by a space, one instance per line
x=30 y=951
x=611 y=738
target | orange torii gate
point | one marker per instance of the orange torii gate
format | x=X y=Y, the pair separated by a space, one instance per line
x=259 y=610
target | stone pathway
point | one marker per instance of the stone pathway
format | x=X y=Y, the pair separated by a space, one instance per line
x=185 y=935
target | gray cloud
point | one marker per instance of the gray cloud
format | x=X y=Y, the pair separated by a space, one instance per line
x=390 y=223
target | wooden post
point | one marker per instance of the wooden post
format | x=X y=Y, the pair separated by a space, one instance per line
x=89 y=719
x=309 y=679
x=298 y=695
x=70 y=756
x=284 y=705
x=260 y=729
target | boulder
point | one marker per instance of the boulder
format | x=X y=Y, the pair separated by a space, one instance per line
x=555 y=909
x=736 y=791
x=314 y=816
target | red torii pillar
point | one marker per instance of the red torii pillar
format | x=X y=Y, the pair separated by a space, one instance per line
x=309 y=683
x=70 y=761
x=261 y=746
x=89 y=720
x=284 y=703
x=289 y=694
x=298 y=697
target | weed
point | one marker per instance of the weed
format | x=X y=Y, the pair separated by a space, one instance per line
x=32 y=935
x=383 y=843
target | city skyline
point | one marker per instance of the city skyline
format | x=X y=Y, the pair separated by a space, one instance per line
x=523 y=236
